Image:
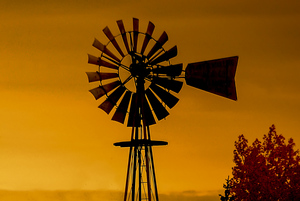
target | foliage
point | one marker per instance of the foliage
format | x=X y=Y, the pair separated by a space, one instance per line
x=227 y=187
x=268 y=170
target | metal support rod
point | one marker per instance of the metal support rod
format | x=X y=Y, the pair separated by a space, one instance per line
x=147 y=137
x=128 y=167
x=140 y=174
x=134 y=163
x=148 y=173
x=140 y=89
x=134 y=174
x=153 y=170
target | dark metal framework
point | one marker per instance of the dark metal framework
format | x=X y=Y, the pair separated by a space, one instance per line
x=138 y=80
x=140 y=180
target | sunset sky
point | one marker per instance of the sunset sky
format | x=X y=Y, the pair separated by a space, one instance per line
x=53 y=136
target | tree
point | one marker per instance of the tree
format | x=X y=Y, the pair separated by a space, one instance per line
x=268 y=170
x=227 y=187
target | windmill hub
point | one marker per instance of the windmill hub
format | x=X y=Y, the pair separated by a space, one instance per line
x=138 y=69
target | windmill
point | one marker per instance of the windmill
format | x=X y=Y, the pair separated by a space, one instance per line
x=140 y=85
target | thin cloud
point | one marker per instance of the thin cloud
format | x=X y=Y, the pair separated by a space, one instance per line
x=78 y=195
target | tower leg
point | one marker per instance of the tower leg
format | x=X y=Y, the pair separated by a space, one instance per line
x=154 y=177
x=128 y=168
x=153 y=169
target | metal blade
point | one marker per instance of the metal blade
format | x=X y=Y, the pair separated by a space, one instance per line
x=172 y=70
x=147 y=114
x=106 y=106
x=97 y=61
x=123 y=33
x=112 y=39
x=148 y=35
x=133 y=119
x=165 y=56
x=135 y=33
x=93 y=60
x=161 y=41
x=101 y=90
x=159 y=110
x=97 y=92
x=112 y=99
x=173 y=85
x=93 y=76
x=121 y=111
x=105 y=76
x=97 y=76
x=165 y=96
x=97 y=44
x=108 y=65
x=215 y=76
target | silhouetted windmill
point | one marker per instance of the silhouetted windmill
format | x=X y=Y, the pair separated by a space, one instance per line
x=137 y=79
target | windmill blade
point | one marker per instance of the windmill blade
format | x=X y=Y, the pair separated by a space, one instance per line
x=161 y=41
x=133 y=119
x=98 y=92
x=105 y=76
x=112 y=39
x=165 y=96
x=147 y=114
x=97 y=61
x=93 y=76
x=215 y=76
x=123 y=33
x=165 y=56
x=148 y=35
x=106 y=106
x=97 y=44
x=121 y=111
x=93 y=60
x=97 y=76
x=112 y=99
x=159 y=110
x=172 y=70
x=135 y=33
x=173 y=85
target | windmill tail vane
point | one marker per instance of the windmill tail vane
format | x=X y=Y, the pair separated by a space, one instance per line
x=140 y=84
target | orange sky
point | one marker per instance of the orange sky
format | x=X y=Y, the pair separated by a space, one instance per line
x=52 y=135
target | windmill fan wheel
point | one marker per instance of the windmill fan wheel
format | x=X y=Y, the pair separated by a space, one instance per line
x=135 y=75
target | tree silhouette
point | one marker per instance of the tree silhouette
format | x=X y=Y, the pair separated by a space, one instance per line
x=268 y=170
x=227 y=187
